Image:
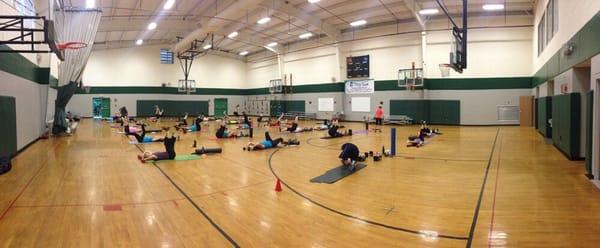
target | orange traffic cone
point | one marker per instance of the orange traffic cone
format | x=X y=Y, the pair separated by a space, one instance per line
x=278 y=185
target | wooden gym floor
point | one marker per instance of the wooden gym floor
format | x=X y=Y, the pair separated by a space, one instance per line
x=89 y=190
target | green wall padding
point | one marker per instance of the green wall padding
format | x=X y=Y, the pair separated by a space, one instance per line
x=220 y=107
x=543 y=114
x=445 y=112
x=590 y=132
x=171 y=108
x=279 y=106
x=418 y=110
x=8 y=126
x=566 y=113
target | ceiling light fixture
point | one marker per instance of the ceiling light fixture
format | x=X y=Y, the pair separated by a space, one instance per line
x=264 y=20
x=169 y=4
x=139 y=42
x=305 y=35
x=272 y=44
x=429 y=11
x=207 y=46
x=492 y=7
x=244 y=53
x=358 y=23
x=152 y=26
x=314 y=1
x=232 y=35
x=90 y=4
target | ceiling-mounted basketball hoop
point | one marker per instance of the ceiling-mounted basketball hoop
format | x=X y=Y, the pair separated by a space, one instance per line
x=411 y=78
x=71 y=45
x=445 y=69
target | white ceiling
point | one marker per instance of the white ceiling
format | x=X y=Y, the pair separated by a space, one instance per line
x=125 y=21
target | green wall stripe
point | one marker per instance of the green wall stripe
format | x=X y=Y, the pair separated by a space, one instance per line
x=159 y=90
x=587 y=44
x=18 y=65
x=382 y=85
x=478 y=83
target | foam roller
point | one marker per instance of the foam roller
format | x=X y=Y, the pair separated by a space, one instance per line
x=203 y=150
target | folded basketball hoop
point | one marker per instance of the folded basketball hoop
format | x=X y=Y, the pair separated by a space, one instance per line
x=71 y=45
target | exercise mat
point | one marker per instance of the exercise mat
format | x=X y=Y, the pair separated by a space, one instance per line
x=336 y=174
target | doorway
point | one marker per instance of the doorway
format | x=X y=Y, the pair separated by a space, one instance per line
x=220 y=107
x=526 y=111
x=101 y=107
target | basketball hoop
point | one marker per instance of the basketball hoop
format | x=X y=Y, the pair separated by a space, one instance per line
x=71 y=45
x=445 y=69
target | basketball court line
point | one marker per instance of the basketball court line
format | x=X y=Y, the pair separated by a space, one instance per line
x=487 y=171
x=23 y=190
x=495 y=191
x=402 y=229
x=206 y=216
x=473 y=224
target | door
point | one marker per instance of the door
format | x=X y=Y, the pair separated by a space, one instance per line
x=101 y=107
x=220 y=107
x=526 y=111
x=105 y=107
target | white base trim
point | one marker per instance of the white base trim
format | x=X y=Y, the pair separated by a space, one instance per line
x=597 y=183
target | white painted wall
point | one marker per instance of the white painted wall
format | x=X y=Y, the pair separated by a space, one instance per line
x=140 y=66
x=493 y=52
x=572 y=15
x=479 y=107
x=30 y=101
x=81 y=104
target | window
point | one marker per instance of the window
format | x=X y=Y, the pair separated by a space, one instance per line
x=166 y=56
x=555 y=16
x=542 y=35
x=548 y=25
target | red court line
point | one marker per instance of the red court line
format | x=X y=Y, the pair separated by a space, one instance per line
x=23 y=190
x=494 y=197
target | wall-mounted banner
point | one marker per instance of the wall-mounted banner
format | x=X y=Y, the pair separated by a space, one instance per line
x=360 y=86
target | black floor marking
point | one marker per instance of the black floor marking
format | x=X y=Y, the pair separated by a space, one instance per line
x=352 y=216
x=215 y=225
x=476 y=215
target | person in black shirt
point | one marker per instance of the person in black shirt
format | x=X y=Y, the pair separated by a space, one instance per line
x=169 y=153
x=417 y=141
x=223 y=133
x=349 y=155
x=333 y=131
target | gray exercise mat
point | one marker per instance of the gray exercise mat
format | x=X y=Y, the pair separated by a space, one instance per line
x=336 y=174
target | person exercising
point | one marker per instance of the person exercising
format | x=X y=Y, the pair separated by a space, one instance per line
x=269 y=143
x=169 y=153
x=349 y=156
x=224 y=133
x=333 y=131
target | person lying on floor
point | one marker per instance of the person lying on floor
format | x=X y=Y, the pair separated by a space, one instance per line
x=349 y=156
x=182 y=122
x=416 y=141
x=294 y=128
x=169 y=153
x=429 y=132
x=269 y=143
x=224 y=133
x=140 y=136
x=333 y=131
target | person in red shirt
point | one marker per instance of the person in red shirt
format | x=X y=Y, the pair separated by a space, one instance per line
x=379 y=116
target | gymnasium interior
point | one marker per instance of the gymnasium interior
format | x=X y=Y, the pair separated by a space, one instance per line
x=299 y=123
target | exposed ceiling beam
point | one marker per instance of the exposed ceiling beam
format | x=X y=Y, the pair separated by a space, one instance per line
x=289 y=9
x=234 y=12
x=140 y=25
x=415 y=8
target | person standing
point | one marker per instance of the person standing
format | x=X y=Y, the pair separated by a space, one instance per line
x=379 y=116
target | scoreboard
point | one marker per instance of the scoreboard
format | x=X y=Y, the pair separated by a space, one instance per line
x=357 y=67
